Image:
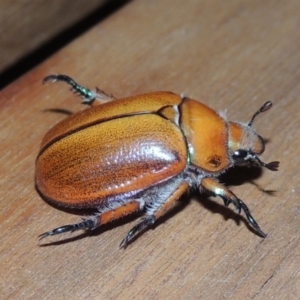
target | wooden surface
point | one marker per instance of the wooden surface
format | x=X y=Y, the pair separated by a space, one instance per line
x=232 y=55
x=27 y=24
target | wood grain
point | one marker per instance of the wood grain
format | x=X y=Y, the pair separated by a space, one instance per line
x=26 y=25
x=232 y=55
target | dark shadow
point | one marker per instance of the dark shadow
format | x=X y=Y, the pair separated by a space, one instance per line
x=59 y=111
x=240 y=175
x=62 y=39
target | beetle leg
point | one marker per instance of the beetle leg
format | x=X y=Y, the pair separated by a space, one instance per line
x=119 y=212
x=88 y=95
x=211 y=185
x=95 y=221
x=85 y=224
x=155 y=213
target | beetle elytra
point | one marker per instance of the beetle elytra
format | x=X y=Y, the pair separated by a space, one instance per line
x=141 y=153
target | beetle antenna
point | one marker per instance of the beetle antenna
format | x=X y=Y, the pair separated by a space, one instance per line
x=88 y=95
x=273 y=166
x=265 y=107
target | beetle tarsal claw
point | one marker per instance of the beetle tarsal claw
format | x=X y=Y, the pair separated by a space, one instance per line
x=58 y=230
x=52 y=78
x=149 y=220
x=124 y=243
x=43 y=235
x=88 y=95
x=251 y=219
x=86 y=224
x=127 y=238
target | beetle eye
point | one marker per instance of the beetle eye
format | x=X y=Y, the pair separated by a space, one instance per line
x=239 y=156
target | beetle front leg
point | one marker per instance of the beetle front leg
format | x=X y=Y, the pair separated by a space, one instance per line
x=95 y=221
x=88 y=95
x=213 y=186
x=154 y=212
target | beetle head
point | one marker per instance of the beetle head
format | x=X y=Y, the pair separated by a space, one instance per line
x=245 y=144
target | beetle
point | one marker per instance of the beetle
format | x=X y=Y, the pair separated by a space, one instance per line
x=141 y=153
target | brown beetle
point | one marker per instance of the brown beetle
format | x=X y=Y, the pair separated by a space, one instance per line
x=141 y=153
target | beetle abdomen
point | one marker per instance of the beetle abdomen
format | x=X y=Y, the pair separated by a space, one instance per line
x=101 y=162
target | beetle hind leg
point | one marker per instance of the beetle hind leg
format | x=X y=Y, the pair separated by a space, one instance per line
x=149 y=220
x=211 y=185
x=88 y=95
x=96 y=221
x=155 y=211
x=84 y=225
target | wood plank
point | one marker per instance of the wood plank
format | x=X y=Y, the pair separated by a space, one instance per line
x=25 y=26
x=231 y=55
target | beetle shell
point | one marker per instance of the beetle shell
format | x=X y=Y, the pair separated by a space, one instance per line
x=122 y=147
x=141 y=153
x=110 y=153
